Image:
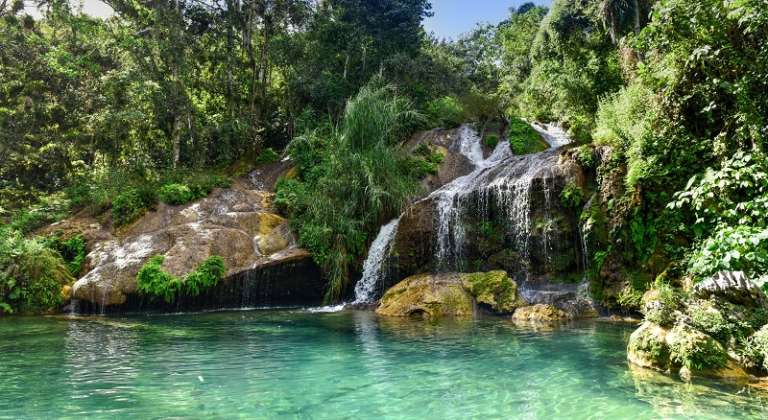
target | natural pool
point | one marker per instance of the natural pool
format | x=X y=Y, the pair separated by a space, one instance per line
x=295 y=364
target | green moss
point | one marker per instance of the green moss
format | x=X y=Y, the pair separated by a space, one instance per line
x=131 y=204
x=495 y=289
x=660 y=305
x=650 y=346
x=155 y=282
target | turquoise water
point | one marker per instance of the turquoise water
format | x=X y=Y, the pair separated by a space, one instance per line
x=294 y=364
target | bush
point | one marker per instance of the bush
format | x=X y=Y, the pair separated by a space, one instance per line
x=756 y=349
x=572 y=196
x=446 y=112
x=175 y=194
x=491 y=141
x=523 y=139
x=72 y=250
x=706 y=317
x=153 y=281
x=660 y=305
x=267 y=155
x=695 y=350
x=352 y=178
x=131 y=204
x=31 y=274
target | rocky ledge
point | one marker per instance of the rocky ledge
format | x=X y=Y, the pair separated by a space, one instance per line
x=264 y=264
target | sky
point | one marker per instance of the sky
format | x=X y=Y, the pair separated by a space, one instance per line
x=451 y=17
x=455 y=17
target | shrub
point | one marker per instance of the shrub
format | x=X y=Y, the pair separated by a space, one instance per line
x=446 y=112
x=660 y=305
x=72 y=250
x=523 y=139
x=706 y=317
x=572 y=196
x=31 y=274
x=131 y=204
x=630 y=299
x=739 y=248
x=175 y=194
x=153 y=281
x=756 y=348
x=267 y=155
x=205 y=276
x=695 y=350
x=491 y=141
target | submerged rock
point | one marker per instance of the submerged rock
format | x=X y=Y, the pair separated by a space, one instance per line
x=450 y=294
x=238 y=223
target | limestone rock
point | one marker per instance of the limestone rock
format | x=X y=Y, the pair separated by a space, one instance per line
x=494 y=289
x=451 y=294
x=648 y=347
x=731 y=286
x=430 y=296
x=539 y=313
x=238 y=223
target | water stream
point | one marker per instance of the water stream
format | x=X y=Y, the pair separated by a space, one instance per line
x=374 y=267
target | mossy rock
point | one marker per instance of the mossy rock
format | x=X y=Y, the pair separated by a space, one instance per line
x=427 y=296
x=648 y=347
x=451 y=294
x=540 y=314
x=496 y=290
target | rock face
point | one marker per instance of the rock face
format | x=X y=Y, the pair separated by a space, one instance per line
x=730 y=286
x=450 y=294
x=238 y=224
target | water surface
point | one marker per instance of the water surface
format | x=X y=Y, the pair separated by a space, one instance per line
x=294 y=364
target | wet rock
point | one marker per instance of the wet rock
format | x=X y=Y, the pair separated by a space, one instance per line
x=451 y=294
x=648 y=347
x=540 y=313
x=731 y=286
x=429 y=296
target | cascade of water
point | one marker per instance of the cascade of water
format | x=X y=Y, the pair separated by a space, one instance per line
x=503 y=182
x=373 y=267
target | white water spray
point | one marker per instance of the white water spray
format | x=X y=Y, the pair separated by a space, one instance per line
x=373 y=267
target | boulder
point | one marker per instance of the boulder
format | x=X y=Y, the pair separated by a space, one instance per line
x=429 y=296
x=451 y=294
x=731 y=286
x=540 y=313
x=238 y=223
x=648 y=347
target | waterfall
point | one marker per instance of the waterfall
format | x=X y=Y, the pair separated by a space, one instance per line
x=503 y=182
x=373 y=267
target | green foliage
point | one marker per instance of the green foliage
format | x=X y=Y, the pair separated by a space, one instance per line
x=660 y=305
x=630 y=299
x=31 y=274
x=523 y=139
x=72 y=250
x=352 y=177
x=756 y=348
x=131 y=204
x=491 y=141
x=175 y=194
x=572 y=196
x=741 y=248
x=267 y=155
x=426 y=161
x=155 y=282
x=445 y=112
x=695 y=350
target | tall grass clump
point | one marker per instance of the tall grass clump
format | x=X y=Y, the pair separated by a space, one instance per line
x=353 y=177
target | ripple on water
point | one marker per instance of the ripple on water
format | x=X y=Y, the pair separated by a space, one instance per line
x=329 y=365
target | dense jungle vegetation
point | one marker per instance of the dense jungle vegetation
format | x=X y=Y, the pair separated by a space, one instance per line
x=169 y=99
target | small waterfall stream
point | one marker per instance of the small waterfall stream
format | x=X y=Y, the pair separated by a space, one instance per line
x=373 y=267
